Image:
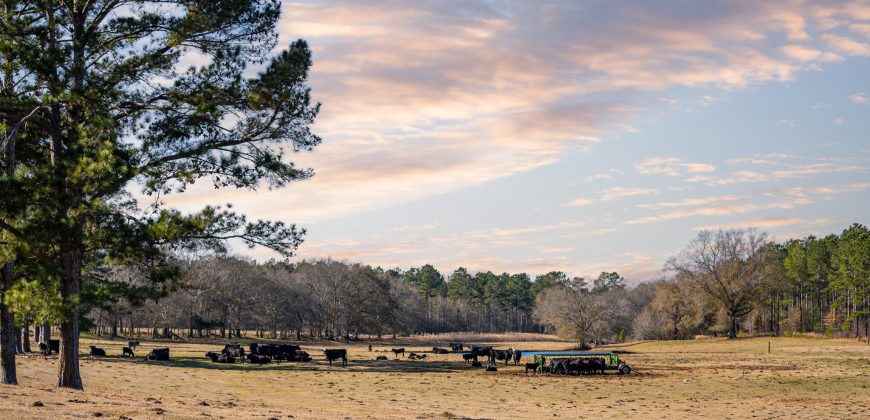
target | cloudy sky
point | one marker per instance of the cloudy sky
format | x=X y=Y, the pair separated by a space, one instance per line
x=578 y=136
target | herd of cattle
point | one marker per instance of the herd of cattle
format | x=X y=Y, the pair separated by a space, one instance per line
x=268 y=353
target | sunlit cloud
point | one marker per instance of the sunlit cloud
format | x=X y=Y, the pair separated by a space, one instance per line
x=859 y=99
x=671 y=166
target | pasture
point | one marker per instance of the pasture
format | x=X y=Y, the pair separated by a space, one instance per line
x=801 y=378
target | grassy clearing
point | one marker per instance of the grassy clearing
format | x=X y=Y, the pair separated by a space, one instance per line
x=801 y=378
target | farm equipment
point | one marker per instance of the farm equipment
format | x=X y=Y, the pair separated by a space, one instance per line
x=611 y=359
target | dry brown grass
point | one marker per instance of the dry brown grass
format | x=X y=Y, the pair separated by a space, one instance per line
x=470 y=337
x=802 y=378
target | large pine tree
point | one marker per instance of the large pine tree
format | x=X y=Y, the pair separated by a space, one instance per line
x=98 y=104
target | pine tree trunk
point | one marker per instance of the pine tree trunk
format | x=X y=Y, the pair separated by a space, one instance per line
x=7 y=338
x=37 y=334
x=25 y=338
x=68 y=365
x=46 y=333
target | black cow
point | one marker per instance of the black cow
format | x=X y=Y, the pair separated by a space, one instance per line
x=439 y=350
x=533 y=367
x=476 y=364
x=257 y=359
x=47 y=348
x=457 y=346
x=398 y=351
x=158 y=354
x=133 y=344
x=301 y=356
x=220 y=357
x=469 y=356
x=235 y=351
x=557 y=365
x=126 y=351
x=95 y=351
x=596 y=364
x=481 y=351
x=335 y=354
x=381 y=358
x=518 y=355
x=505 y=355
x=415 y=356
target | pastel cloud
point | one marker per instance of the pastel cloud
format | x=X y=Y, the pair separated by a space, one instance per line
x=426 y=98
x=671 y=166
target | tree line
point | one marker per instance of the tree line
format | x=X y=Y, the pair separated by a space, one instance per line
x=723 y=283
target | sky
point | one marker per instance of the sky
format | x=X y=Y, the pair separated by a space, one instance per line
x=580 y=136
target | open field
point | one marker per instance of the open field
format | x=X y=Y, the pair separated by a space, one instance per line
x=801 y=378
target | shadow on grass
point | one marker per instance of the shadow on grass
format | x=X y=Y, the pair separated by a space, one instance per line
x=355 y=366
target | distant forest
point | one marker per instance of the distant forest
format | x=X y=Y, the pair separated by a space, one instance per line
x=724 y=283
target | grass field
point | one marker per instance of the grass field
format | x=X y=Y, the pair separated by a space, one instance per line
x=801 y=378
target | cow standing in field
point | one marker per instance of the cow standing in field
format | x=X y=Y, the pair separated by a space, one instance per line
x=457 y=346
x=469 y=357
x=398 y=351
x=126 y=351
x=133 y=344
x=47 y=348
x=505 y=355
x=518 y=355
x=533 y=367
x=335 y=354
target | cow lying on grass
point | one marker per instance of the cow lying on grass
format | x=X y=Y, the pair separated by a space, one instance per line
x=258 y=360
x=95 y=351
x=415 y=356
x=439 y=350
x=220 y=357
x=161 y=354
x=335 y=354
x=382 y=358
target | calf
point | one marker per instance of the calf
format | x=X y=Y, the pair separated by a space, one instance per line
x=126 y=351
x=469 y=356
x=398 y=351
x=133 y=344
x=158 y=354
x=439 y=350
x=457 y=346
x=518 y=355
x=533 y=367
x=381 y=358
x=43 y=348
x=335 y=354
x=95 y=351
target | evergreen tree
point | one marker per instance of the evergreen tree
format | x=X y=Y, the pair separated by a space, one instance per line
x=103 y=105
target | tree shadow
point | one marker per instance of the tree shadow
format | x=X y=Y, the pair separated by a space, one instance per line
x=356 y=366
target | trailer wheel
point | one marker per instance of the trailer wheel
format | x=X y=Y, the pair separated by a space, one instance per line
x=624 y=370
